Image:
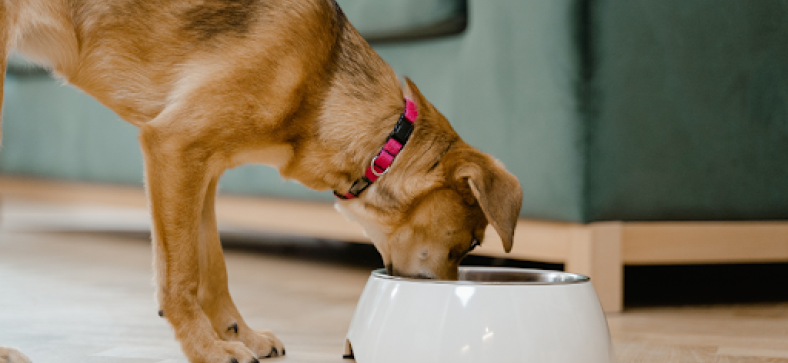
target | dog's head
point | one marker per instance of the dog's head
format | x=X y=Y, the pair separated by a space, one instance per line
x=434 y=205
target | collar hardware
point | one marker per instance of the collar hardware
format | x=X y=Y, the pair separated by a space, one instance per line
x=381 y=163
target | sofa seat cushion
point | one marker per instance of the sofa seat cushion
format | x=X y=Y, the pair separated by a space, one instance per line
x=390 y=20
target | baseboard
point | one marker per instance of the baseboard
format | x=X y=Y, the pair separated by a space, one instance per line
x=599 y=250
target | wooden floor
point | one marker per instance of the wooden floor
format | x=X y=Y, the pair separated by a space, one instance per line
x=87 y=297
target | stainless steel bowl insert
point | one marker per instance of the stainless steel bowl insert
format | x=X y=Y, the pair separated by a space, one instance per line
x=499 y=276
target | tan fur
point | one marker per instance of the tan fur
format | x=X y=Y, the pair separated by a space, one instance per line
x=11 y=355
x=213 y=84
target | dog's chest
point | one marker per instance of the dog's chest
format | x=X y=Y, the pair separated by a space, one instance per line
x=276 y=156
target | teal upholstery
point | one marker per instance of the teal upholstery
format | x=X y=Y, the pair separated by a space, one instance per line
x=62 y=133
x=394 y=20
x=55 y=131
x=691 y=111
x=605 y=110
x=18 y=65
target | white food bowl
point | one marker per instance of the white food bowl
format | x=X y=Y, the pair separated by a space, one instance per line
x=490 y=315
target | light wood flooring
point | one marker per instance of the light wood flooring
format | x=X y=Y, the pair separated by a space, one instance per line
x=71 y=295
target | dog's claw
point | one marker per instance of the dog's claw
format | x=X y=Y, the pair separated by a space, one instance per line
x=274 y=353
x=161 y=313
x=234 y=328
x=283 y=352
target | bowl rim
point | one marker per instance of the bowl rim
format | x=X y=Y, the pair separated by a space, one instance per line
x=575 y=278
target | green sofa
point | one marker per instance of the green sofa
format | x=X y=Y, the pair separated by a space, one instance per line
x=605 y=110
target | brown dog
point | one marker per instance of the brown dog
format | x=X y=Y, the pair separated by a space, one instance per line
x=213 y=84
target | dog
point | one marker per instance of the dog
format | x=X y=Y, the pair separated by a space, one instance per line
x=213 y=84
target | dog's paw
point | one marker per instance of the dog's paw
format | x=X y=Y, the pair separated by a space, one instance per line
x=220 y=352
x=11 y=355
x=263 y=343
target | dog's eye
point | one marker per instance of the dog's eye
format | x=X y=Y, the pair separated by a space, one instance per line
x=474 y=243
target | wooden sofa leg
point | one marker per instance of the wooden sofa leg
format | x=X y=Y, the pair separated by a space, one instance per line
x=596 y=251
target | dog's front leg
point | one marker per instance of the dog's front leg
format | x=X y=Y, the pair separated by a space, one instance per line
x=178 y=171
x=214 y=294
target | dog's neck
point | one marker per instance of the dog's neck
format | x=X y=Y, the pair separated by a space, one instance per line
x=355 y=121
x=358 y=110
x=360 y=129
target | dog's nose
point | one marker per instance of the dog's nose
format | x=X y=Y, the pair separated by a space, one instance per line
x=422 y=275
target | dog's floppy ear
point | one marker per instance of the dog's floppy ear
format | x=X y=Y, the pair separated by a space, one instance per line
x=496 y=190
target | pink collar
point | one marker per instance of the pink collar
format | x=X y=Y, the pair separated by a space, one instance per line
x=382 y=161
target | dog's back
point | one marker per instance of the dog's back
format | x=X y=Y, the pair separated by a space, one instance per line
x=137 y=56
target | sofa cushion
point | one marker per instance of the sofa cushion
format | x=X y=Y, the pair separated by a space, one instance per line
x=388 y=20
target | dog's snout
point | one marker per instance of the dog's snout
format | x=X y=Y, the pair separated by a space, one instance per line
x=424 y=275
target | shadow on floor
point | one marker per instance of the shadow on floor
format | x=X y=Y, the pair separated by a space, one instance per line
x=705 y=284
x=643 y=285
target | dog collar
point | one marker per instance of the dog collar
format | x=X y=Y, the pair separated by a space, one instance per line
x=382 y=161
